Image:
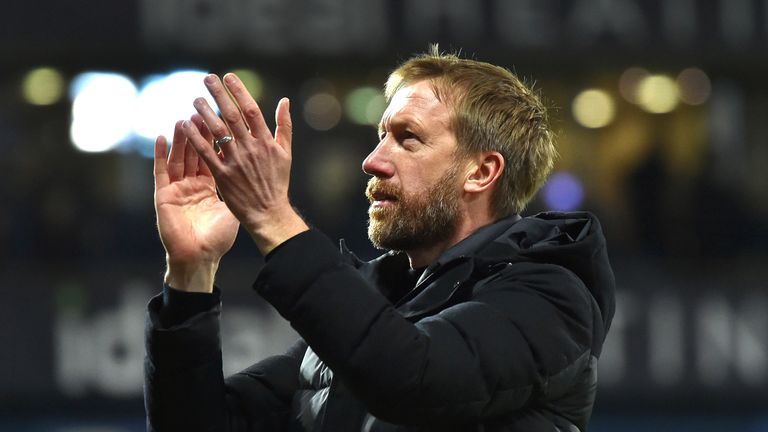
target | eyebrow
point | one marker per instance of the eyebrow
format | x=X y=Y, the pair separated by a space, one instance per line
x=404 y=123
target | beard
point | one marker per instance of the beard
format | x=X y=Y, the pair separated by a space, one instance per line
x=417 y=220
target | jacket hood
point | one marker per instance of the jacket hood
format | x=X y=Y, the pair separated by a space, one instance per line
x=572 y=240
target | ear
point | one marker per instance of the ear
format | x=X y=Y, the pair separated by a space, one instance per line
x=484 y=171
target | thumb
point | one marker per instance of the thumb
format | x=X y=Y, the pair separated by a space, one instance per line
x=284 y=129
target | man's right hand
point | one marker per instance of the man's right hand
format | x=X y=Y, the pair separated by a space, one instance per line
x=196 y=228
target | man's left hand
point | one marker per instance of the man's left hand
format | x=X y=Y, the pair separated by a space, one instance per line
x=252 y=170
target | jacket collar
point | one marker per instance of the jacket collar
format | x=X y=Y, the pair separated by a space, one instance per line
x=471 y=245
x=441 y=282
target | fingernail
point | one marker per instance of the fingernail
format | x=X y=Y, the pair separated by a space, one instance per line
x=210 y=79
x=186 y=124
x=229 y=78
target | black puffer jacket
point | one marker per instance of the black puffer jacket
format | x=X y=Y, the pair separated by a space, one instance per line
x=502 y=333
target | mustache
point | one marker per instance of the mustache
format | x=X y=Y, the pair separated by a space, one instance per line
x=378 y=188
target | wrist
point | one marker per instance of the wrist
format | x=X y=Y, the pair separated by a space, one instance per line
x=191 y=277
x=270 y=230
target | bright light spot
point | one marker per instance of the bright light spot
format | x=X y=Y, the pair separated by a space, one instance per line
x=593 y=108
x=563 y=192
x=165 y=100
x=629 y=82
x=694 y=85
x=365 y=105
x=657 y=94
x=42 y=86
x=331 y=178
x=102 y=108
x=322 y=111
x=252 y=82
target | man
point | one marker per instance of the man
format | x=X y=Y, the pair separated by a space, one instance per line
x=476 y=320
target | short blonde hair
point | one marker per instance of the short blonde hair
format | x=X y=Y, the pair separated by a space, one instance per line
x=492 y=110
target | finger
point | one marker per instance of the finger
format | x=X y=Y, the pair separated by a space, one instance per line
x=161 y=162
x=202 y=127
x=202 y=147
x=215 y=125
x=176 y=159
x=284 y=129
x=229 y=110
x=202 y=167
x=248 y=106
x=191 y=160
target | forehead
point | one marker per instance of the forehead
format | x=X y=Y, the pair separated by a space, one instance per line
x=417 y=103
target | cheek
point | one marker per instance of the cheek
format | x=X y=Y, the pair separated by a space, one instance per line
x=421 y=172
x=414 y=184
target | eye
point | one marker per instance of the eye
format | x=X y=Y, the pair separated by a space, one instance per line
x=382 y=135
x=408 y=135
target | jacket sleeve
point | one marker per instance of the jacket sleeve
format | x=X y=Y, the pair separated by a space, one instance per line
x=524 y=332
x=184 y=387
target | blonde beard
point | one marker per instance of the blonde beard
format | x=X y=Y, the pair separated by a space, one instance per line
x=417 y=220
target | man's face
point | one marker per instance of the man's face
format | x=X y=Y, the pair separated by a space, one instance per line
x=415 y=188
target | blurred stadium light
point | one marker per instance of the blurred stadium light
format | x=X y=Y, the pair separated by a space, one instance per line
x=322 y=111
x=695 y=86
x=103 y=106
x=657 y=94
x=163 y=100
x=563 y=192
x=629 y=81
x=43 y=86
x=593 y=108
x=365 y=105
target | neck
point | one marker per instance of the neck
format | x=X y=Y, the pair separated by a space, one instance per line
x=425 y=256
x=468 y=223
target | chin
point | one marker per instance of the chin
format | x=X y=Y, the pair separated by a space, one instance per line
x=383 y=235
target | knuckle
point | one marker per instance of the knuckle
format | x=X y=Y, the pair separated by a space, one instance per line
x=219 y=130
x=231 y=117
x=252 y=111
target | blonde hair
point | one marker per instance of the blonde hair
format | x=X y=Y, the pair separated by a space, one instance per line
x=492 y=110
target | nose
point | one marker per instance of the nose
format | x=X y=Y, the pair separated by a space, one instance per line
x=378 y=163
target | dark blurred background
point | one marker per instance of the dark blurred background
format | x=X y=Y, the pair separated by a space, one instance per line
x=661 y=109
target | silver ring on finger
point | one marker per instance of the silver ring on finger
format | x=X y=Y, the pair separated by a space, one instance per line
x=226 y=139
